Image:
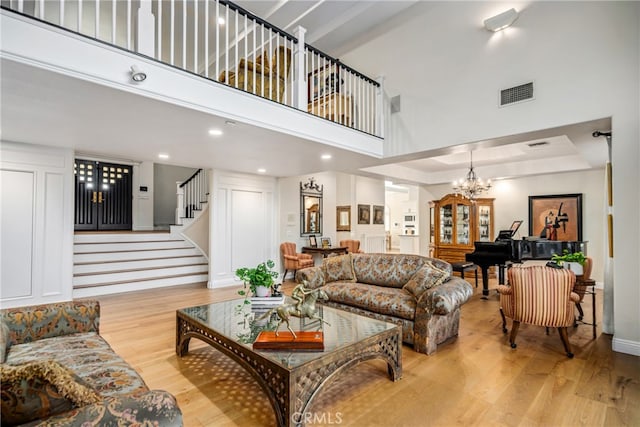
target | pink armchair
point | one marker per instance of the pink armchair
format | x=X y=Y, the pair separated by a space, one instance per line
x=293 y=260
x=539 y=295
x=353 y=246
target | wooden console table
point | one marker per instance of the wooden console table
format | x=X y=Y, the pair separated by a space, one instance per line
x=324 y=251
x=334 y=106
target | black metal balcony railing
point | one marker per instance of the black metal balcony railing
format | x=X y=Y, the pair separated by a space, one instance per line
x=220 y=41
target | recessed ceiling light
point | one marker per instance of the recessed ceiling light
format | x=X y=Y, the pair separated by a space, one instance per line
x=230 y=123
x=163 y=156
x=215 y=132
x=326 y=156
x=262 y=170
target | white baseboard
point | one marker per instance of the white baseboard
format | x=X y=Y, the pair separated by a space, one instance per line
x=626 y=346
x=222 y=283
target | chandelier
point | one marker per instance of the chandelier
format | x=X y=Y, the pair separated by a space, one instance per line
x=472 y=186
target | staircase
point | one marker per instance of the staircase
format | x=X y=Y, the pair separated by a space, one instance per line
x=106 y=263
x=114 y=262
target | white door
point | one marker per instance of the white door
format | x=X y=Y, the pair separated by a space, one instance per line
x=248 y=228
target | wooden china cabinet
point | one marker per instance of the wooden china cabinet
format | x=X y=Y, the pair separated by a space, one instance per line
x=459 y=222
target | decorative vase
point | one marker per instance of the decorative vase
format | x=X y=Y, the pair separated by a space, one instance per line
x=262 y=291
x=576 y=267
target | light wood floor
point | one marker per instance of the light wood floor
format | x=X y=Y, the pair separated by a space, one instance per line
x=476 y=379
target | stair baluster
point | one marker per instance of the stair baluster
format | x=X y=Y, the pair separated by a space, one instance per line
x=191 y=194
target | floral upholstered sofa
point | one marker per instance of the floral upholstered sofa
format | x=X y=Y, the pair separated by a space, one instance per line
x=58 y=371
x=416 y=292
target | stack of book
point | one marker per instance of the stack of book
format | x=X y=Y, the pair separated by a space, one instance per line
x=266 y=303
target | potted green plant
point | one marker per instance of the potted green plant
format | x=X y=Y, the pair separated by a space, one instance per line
x=259 y=279
x=572 y=261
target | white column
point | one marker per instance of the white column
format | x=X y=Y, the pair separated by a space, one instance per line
x=146 y=29
x=300 y=100
x=379 y=124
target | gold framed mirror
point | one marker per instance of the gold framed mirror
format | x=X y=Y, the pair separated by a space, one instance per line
x=343 y=218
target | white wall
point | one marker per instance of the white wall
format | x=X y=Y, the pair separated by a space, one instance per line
x=243 y=226
x=142 y=208
x=368 y=191
x=584 y=60
x=339 y=189
x=290 y=215
x=36 y=244
x=164 y=186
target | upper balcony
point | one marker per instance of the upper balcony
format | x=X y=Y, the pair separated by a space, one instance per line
x=208 y=55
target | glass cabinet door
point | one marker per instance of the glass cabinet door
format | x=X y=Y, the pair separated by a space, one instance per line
x=462 y=224
x=432 y=226
x=484 y=223
x=446 y=224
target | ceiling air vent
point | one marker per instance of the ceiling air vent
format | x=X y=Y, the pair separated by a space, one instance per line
x=516 y=94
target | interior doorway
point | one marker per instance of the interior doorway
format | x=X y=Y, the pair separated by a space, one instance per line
x=103 y=196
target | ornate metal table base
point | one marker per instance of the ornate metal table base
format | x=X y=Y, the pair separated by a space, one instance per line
x=291 y=390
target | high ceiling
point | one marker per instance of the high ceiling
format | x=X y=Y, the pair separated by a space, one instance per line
x=39 y=106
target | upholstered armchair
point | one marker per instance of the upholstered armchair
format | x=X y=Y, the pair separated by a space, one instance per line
x=293 y=260
x=353 y=246
x=539 y=295
x=264 y=78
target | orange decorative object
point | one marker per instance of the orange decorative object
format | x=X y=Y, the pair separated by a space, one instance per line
x=306 y=340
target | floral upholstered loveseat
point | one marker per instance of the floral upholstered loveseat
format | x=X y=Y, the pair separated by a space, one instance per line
x=416 y=292
x=58 y=371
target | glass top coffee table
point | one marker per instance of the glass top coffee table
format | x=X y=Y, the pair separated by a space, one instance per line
x=291 y=379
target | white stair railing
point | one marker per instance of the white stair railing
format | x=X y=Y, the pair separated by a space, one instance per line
x=221 y=41
x=191 y=195
x=341 y=94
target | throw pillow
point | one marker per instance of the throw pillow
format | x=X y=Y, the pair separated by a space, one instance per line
x=338 y=268
x=37 y=390
x=425 y=278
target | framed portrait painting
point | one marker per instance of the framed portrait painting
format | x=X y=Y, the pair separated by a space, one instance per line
x=378 y=214
x=364 y=214
x=556 y=217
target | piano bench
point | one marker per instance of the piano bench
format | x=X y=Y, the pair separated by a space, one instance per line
x=463 y=266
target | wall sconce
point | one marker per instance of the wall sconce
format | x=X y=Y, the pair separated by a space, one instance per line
x=501 y=21
x=137 y=75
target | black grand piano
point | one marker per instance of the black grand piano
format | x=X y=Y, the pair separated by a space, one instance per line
x=505 y=250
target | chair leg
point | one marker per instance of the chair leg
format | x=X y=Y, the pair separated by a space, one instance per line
x=285 y=274
x=514 y=332
x=504 y=321
x=579 y=307
x=564 y=336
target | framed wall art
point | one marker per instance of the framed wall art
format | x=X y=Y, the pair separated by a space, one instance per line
x=378 y=214
x=364 y=214
x=343 y=218
x=556 y=217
